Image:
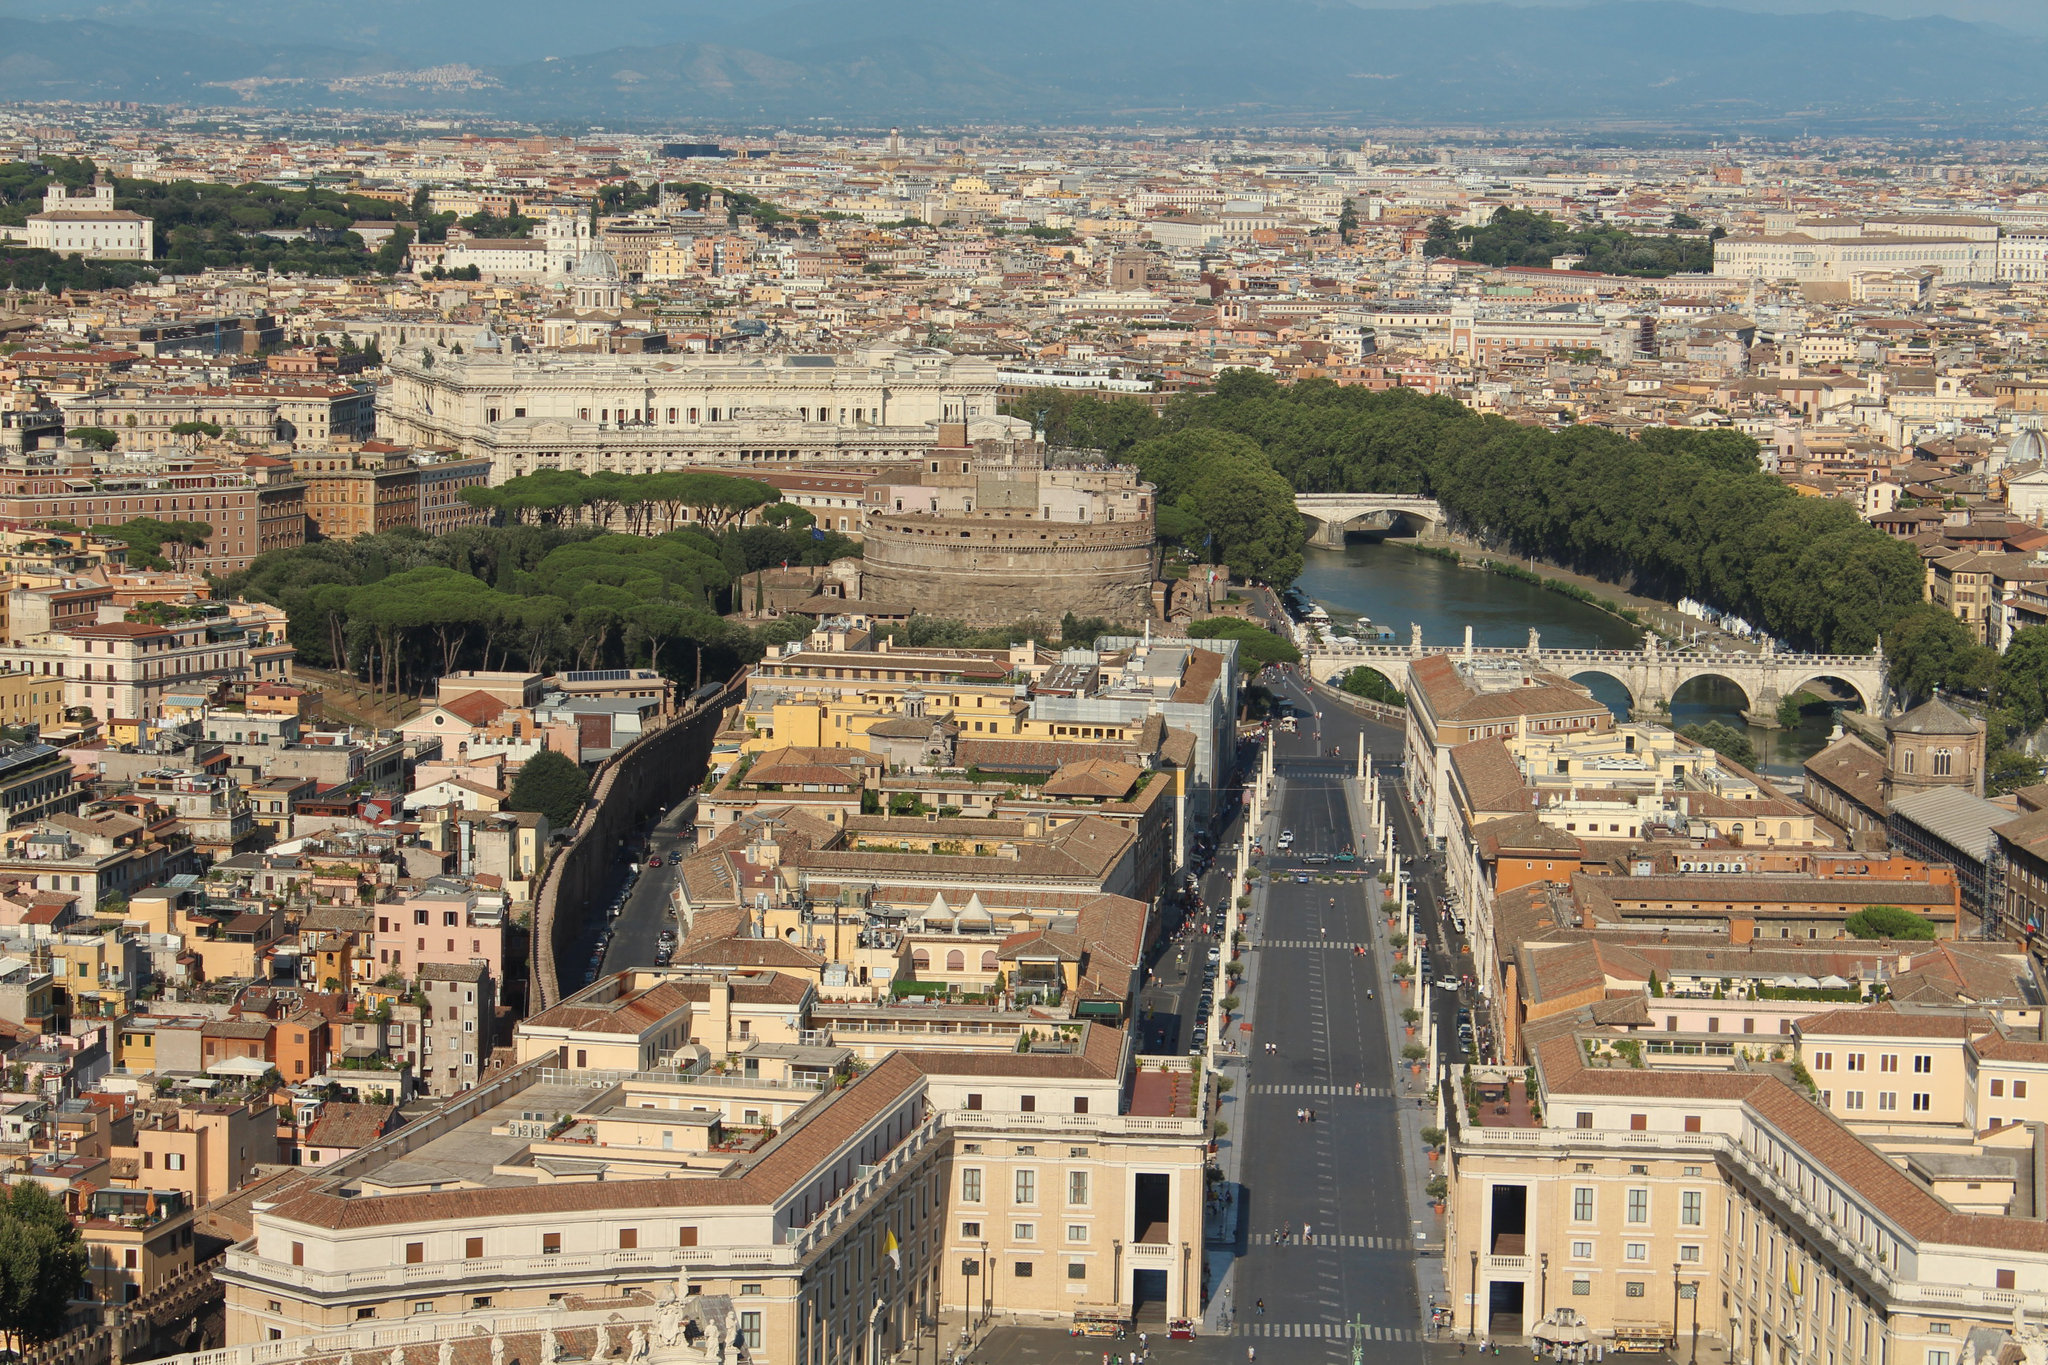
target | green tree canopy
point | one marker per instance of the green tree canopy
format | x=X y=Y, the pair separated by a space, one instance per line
x=551 y=784
x=1887 y=921
x=94 y=438
x=1672 y=513
x=1225 y=484
x=1927 y=648
x=1373 y=685
x=1725 y=740
x=42 y=1262
x=1256 y=646
x=2023 y=677
x=147 y=539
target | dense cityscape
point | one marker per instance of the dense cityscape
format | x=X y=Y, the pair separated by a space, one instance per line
x=682 y=741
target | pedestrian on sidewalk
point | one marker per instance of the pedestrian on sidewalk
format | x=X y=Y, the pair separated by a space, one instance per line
x=1262 y=1307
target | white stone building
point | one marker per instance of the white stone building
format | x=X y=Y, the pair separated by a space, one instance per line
x=638 y=414
x=86 y=223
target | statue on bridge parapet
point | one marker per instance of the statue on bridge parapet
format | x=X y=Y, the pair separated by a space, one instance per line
x=1415 y=636
x=1535 y=645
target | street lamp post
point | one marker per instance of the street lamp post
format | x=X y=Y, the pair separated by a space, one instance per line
x=1676 y=1270
x=987 y=1289
x=1695 y=1323
x=1186 y=1251
x=1543 y=1289
x=1116 y=1272
x=1472 y=1317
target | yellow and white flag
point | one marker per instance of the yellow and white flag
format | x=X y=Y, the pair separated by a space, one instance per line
x=892 y=1248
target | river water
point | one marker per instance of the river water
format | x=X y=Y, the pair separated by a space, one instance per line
x=1394 y=586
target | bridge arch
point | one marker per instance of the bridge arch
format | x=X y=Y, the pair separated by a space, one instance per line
x=1863 y=698
x=1689 y=676
x=1391 y=673
x=1608 y=675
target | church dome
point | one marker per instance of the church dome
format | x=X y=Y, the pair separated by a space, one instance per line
x=597 y=264
x=2029 y=447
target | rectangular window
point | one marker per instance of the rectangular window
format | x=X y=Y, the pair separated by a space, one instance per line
x=1855 y=1061
x=1585 y=1119
x=1633 y=1289
x=2019 y=1090
x=1026 y=1191
x=1888 y=1061
x=1080 y=1104
x=2005 y=1279
x=1887 y=1100
x=1582 y=1204
x=1922 y=1102
x=473 y=1249
x=970 y=1185
x=1923 y=1065
x=1028 y=1103
x=686 y=1237
x=415 y=1252
x=1023 y=1270
x=974 y=1101
x=629 y=1239
x=1077 y=1270
x=1689 y=1208
x=1077 y=1188
x=1582 y=1251
x=1638 y=1123
x=1638 y=1206
x=1077 y=1232
x=551 y=1244
x=1852 y=1099
x=750 y=1329
x=298 y=1253
x=1998 y=1089
x=1636 y=1251
x=1688 y=1253
x=1582 y=1287
x=1024 y=1232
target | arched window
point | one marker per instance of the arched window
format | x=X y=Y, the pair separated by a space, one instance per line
x=1784 y=829
x=921 y=960
x=1944 y=762
x=988 y=960
x=956 y=961
x=1906 y=761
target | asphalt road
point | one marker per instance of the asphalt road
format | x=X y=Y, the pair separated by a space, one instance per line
x=647 y=911
x=1331 y=1057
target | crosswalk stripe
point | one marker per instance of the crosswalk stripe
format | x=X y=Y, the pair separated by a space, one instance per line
x=1349 y=1239
x=1331 y=1091
x=1342 y=1330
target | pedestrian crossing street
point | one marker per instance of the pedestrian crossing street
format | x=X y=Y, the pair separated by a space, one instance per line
x=1253 y=1327
x=1346 y=944
x=1327 y=1091
x=1266 y=1239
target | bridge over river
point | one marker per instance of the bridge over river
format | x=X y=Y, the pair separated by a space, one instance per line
x=1652 y=674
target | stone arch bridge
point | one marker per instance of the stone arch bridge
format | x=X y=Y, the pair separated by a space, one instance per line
x=1330 y=515
x=1651 y=675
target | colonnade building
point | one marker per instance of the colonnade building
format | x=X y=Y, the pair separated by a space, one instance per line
x=645 y=413
x=831 y=1201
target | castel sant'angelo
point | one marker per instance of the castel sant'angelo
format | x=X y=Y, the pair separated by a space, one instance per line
x=1000 y=529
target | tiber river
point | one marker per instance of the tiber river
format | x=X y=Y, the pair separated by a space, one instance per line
x=1393 y=586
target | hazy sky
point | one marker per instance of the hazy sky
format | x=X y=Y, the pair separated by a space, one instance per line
x=2028 y=16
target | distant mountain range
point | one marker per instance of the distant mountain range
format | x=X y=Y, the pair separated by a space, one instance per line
x=878 y=62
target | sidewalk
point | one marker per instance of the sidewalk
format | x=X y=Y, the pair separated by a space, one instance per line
x=1411 y=1112
x=1220 y=1241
